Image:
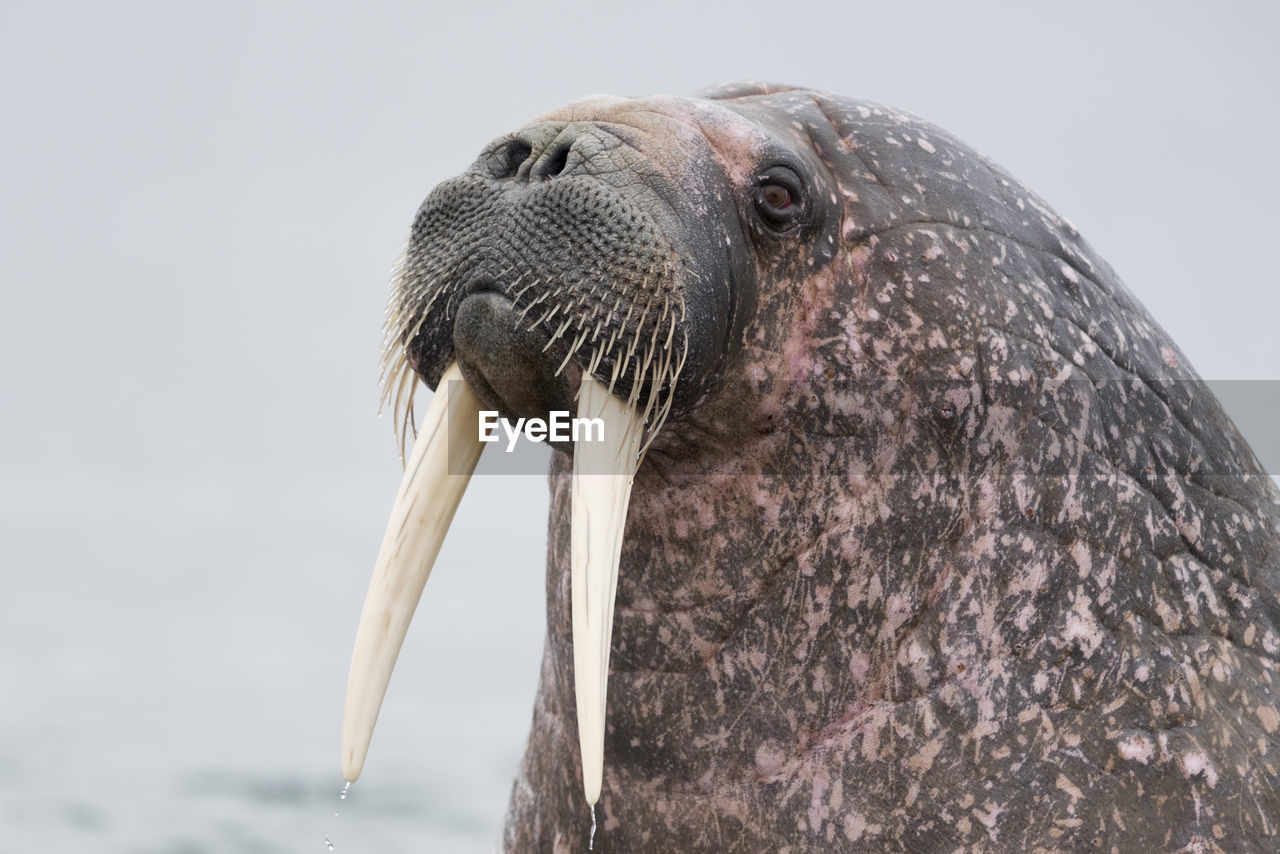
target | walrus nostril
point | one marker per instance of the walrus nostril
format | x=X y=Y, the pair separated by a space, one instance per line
x=553 y=162
x=511 y=157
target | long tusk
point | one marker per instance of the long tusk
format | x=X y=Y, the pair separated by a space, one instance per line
x=602 y=474
x=444 y=456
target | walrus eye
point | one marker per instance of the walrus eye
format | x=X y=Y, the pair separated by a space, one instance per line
x=778 y=198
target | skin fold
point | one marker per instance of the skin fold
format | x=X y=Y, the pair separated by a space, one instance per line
x=943 y=545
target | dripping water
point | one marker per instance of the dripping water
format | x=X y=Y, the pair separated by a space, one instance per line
x=342 y=796
x=591 y=840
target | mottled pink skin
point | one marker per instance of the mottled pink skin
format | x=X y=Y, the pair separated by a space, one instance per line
x=901 y=581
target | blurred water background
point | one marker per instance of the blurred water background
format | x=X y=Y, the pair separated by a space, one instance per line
x=200 y=207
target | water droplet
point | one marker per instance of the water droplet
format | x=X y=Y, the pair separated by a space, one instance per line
x=342 y=796
x=591 y=840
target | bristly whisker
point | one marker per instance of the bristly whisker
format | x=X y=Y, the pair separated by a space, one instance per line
x=640 y=342
x=556 y=335
x=537 y=301
x=520 y=294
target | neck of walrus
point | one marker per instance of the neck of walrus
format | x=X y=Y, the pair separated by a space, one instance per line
x=756 y=618
x=779 y=619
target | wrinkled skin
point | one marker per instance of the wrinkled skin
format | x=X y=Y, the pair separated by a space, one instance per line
x=906 y=574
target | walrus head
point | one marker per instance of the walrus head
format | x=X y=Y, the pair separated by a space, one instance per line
x=582 y=240
x=932 y=538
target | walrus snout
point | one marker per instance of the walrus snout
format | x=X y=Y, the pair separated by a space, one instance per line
x=595 y=253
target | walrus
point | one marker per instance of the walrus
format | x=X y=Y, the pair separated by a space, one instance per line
x=913 y=531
